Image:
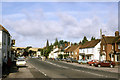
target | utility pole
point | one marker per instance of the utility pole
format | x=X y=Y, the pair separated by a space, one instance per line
x=100 y=44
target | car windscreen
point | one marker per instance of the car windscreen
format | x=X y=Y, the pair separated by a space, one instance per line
x=21 y=60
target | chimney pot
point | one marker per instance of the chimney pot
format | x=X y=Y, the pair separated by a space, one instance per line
x=117 y=33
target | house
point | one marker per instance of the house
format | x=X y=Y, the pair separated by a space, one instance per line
x=90 y=50
x=18 y=50
x=5 y=44
x=110 y=47
x=73 y=51
x=54 y=54
x=35 y=51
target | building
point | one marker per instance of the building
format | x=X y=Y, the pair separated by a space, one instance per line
x=90 y=50
x=5 y=44
x=73 y=51
x=110 y=47
x=55 y=52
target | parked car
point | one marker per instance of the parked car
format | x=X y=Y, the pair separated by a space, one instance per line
x=57 y=59
x=21 y=62
x=63 y=59
x=105 y=64
x=82 y=61
x=22 y=57
x=92 y=62
x=71 y=60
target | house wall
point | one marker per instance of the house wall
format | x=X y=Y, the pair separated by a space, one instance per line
x=76 y=54
x=95 y=51
x=0 y=47
x=6 y=44
x=108 y=49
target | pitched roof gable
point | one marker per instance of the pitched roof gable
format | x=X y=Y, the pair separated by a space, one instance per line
x=90 y=44
x=108 y=39
x=72 y=48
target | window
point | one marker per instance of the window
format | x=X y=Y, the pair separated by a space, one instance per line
x=92 y=50
x=103 y=47
x=118 y=46
x=112 y=47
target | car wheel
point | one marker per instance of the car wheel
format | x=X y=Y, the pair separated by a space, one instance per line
x=91 y=64
x=99 y=65
x=111 y=66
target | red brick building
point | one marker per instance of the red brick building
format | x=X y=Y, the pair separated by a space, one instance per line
x=110 y=47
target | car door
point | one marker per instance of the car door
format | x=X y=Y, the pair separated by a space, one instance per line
x=106 y=63
x=103 y=63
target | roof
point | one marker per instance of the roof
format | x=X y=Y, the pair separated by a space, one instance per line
x=18 y=47
x=90 y=44
x=72 y=48
x=34 y=49
x=3 y=29
x=118 y=41
x=110 y=39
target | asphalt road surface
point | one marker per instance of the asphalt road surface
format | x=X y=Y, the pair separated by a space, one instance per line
x=60 y=70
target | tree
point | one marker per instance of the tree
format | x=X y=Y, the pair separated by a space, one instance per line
x=92 y=38
x=41 y=50
x=84 y=40
x=47 y=43
x=60 y=56
x=56 y=42
x=66 y=55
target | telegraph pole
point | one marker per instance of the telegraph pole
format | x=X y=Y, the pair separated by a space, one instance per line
x=100 y=44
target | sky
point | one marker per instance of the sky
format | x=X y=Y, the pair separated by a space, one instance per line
x=32 y=23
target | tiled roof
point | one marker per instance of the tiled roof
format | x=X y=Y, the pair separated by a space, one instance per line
x=90 y=44
x=72 y=48
x=118 y=41
x=109 y=39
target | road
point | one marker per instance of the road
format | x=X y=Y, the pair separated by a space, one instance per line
x=56 y=69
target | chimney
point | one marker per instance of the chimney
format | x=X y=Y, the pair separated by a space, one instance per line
x=68 y=43
x=65 y=44
x=103 y=35
x=117 y=33
x=80 y=42
x=71 y=44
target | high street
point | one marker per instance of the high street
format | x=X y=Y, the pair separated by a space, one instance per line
x=56 y=69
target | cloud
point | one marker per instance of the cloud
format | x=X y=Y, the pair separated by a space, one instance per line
x=34 y=28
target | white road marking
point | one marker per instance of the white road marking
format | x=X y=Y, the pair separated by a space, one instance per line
x=56 y=64
x=75 y=69
x=38 y=69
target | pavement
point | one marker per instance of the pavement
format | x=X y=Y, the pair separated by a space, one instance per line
x=108 y=69
x=25 y=72
x=52 y=70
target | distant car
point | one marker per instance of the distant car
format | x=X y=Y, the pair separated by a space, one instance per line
x=105 y=64
x=21 y=57
x=21 y=62
x=92 y=62
x=35 y=57
x=57 y=59
x=63 y=59
x=81 y=61
x=71 y=60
